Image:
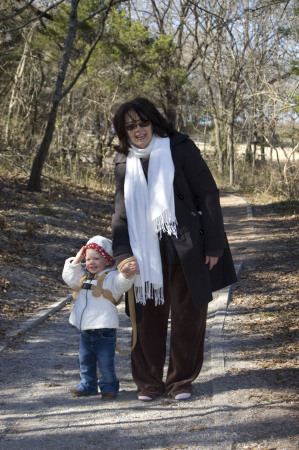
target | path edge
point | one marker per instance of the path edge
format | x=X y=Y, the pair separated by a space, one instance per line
x=40 y=317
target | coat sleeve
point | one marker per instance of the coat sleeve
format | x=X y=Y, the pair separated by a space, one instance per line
x=117 y=283
x=205 y=195
x=72 y=273
x=120 y=234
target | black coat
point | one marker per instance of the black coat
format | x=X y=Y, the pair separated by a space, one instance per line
x=200 y=224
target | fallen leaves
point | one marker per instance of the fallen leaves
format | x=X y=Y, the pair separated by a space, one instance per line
x=38 y=232
x=266 y=299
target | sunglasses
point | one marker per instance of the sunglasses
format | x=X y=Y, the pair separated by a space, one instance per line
x=133 y=126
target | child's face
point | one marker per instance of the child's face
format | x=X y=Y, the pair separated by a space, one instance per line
x=95 y=262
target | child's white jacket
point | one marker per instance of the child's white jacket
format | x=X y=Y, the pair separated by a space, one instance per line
x=91 y=312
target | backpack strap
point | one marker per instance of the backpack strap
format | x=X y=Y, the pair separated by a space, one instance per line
x=76 y=289
x=98 y=290
x=132 y=310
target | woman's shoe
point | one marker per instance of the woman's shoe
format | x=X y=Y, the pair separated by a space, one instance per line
x=182 y=396
x=144 y=398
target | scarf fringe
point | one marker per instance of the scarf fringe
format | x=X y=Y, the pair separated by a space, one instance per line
x=149 y=291
x=163 y=224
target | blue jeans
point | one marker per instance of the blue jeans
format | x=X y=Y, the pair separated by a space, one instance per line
x=98 y=346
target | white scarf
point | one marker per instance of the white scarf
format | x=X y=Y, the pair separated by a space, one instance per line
x=150 y=211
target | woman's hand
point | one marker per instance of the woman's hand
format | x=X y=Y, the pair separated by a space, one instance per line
x=211 y=261
x=129 y=269
x=79 y=257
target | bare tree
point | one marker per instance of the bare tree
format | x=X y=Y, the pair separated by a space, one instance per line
x=236 y=44
x=215 y=59
x=59 y=92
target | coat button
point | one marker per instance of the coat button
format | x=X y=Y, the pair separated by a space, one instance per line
x=181 y=196
x=194 y=213
x=201 y=232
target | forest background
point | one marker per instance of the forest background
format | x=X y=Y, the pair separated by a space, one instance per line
x=223 y=71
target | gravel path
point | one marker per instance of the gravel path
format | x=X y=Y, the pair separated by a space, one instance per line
x=39 y=412
x=40 y=367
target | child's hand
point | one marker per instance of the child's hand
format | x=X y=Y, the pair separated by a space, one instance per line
x=80 y=256
x=130 y=269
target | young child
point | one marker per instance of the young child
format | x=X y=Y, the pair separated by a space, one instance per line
x=98 y=288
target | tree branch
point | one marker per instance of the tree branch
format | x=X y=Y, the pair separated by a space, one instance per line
x=39 y=16
x=93 y=46
x=17 y=12
x=100 y=10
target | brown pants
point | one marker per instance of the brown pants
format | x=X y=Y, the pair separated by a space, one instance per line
x=188 y=326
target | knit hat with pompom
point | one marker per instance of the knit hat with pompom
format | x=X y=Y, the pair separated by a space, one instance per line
x=103 y=246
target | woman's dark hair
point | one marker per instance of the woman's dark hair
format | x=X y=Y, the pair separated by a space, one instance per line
x=145 y=110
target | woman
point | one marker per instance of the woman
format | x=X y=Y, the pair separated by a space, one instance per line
x=168 y=215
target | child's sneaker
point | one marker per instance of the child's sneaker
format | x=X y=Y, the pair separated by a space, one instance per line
x=77 y=393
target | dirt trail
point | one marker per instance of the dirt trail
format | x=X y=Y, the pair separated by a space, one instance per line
x=237 y=404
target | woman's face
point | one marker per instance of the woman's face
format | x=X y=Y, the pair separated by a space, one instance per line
x=139 y=136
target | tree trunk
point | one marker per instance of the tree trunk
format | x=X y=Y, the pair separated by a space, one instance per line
x=218 y=146
x=34 y=183
x=230 y=148
x=254 y=152
x=18 y=75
